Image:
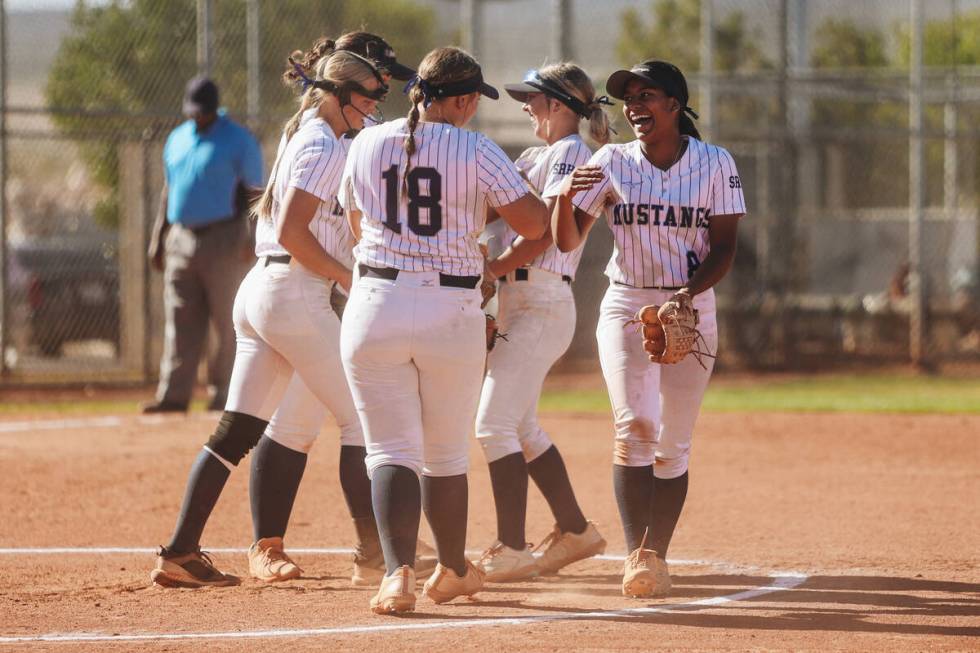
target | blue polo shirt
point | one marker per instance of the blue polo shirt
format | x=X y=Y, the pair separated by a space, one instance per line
x=203 y=170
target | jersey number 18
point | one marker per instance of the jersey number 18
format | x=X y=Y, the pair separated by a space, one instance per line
x=416 y=200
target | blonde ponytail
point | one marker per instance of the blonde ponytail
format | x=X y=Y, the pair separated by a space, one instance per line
x=598 y=124
x=318 y=63
x=575 y=81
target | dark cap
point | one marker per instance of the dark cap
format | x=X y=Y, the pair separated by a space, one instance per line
x=474 y=84
x=377 y=50
x=659 y=74
x=201 y=96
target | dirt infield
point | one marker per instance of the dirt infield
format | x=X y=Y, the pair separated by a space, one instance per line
x=801 y=531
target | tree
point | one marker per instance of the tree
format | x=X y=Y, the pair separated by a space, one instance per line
x=672 y=34
x=869 y=178
x=121 y=72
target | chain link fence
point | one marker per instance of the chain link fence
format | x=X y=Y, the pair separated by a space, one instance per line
x=861 y=242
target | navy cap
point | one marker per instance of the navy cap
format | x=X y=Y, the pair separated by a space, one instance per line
x=200 y=96
x=382 y=54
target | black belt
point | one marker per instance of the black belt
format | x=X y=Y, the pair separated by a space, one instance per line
x=204 y=228
x=282 y=258
x=521 y=274
x=451 y=280
x=626 y=285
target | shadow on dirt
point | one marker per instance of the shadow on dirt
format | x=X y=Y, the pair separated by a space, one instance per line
x=872 y=604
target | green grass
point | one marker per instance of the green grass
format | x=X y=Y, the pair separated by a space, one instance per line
x=855 y=394
x=78 y=408
x=819 y=393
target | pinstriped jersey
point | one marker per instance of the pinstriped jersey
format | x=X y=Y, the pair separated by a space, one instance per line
x=312 y=161
x=430 y=218
x=546 y=168
x=659 y=218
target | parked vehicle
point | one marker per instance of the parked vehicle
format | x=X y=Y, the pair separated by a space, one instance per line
x=71 y=290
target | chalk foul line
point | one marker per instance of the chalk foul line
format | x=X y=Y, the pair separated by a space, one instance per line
x=781 y=582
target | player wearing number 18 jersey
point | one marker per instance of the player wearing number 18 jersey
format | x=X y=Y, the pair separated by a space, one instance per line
x=413 y=334
x=673 y=203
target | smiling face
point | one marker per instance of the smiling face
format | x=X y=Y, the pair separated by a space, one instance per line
x=648 y=110
x=537 y=107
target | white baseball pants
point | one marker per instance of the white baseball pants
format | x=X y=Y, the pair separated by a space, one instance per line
x=654 y=406
x=538 y=316
x=288 y=356
x=414 y=353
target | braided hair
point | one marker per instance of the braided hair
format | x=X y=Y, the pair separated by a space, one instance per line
x=323 y=61
x=441 y=66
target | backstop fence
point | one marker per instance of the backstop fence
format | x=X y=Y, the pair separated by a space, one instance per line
x=854 y=125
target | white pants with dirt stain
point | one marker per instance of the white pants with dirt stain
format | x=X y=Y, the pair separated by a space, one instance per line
x=538 y=318
x=654 y=406
x=413 y=351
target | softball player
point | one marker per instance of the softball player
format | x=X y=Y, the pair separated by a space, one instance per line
x=413 y=336
x=280 y=457
x=282 y=316
x=537 y=311
x=673 y=203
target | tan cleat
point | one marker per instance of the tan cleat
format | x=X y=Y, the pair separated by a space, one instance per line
x=501 y=564
x=268 y=562
x=370 y=569
x=396 y=594
x=194 y=569
x=566 y=548
x=645 y=574
x=444 y=585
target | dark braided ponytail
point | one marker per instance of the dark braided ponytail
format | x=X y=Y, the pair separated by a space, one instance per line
x=686 y=126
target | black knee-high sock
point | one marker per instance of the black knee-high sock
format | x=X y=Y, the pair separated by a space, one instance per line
x=207 y=479
x=668 y=500
x=508 y=476
x=445 y=500
x=397 y=509
x=356 y=485
x=354 y=481
x=634 y=492
x=551 y=477
x=276 y=474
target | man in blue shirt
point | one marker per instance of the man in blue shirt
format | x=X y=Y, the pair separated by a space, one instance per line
x=202 y=243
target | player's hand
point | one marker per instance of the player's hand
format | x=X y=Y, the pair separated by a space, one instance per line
x=495 y=268
x=488 y=284
x=346 y=280
x=582 y=179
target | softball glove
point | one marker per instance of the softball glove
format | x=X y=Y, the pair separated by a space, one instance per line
x=493 y=332
x=670 y=331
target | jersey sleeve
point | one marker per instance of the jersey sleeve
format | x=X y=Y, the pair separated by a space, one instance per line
x=593 y=200
x=726 y=186
x=525 y=162
x=251 y=164
x=498 y=177
x=566 y=157
x=317 y=167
